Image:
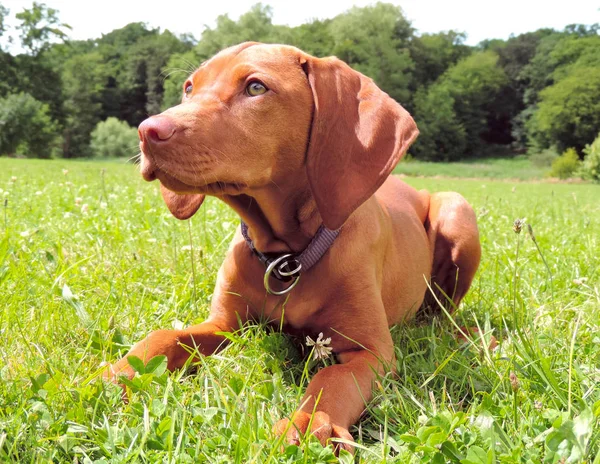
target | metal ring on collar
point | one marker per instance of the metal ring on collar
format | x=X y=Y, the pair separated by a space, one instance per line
x=269 y=270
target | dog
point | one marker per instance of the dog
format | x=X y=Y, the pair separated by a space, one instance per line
x=302 y=149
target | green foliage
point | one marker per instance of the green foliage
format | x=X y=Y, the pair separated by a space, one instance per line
x=566 y=165
x=568 y=113
x=502 y=92
x=442 y=135
x=454 y=112
x=135 y=84
x=85 y=78
x=433 y=54
x=114 y=138
x=373 y=40
x=590 y=168
x=3 y=14
x=26 y=127
x=557 y=76
x=8 y=73
x=38 y=25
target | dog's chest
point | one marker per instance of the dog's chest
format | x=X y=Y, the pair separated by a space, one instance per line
x=295 y=314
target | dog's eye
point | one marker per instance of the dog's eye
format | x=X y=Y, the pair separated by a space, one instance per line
x=256 y=88
x=188 y=89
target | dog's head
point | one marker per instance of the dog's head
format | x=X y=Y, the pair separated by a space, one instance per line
x=256 y=115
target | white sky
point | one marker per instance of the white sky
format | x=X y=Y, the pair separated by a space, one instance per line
x=480 y=19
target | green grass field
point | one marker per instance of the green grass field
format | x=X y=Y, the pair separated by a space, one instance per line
x=91 y=261
x=515 y=168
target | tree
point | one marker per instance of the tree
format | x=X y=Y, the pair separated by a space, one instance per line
x=433 y=54
x=26 y=127
x=313 y=37
x=141 y=80
x=514 y=55
x=39 y=25
x=3 y=14
x=374 y=41
x=442 y=136
x=254 y=25
x=564 y=111
x=465 y=93
x=124 y=93
x=568 y=114
x=84 y=78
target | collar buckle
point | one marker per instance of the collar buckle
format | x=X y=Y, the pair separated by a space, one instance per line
x=284 y=268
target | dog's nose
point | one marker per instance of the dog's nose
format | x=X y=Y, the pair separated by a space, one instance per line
x=156 y=129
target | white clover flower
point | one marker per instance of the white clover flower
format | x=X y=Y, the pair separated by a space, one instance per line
x=13 y=179
x=186 y=248
x=78 y=201
x=65 y=172
x=39 y=192
x=321 y=349
x=103 y=204
x=84 y=208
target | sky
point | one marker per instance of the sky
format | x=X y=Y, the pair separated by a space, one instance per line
x=480 y=19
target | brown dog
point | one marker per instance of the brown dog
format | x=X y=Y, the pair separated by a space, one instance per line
x=292 y=142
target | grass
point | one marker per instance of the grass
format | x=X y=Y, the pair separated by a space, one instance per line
x=513 y=168
x=91 y=261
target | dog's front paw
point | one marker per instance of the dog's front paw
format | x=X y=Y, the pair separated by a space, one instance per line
x=320 y=426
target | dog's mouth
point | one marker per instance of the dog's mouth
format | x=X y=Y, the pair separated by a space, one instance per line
x=151 y=171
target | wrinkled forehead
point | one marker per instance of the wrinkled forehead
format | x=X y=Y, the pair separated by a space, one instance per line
x=240 y=61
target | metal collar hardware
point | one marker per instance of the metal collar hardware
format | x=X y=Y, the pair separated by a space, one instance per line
x=288 y=267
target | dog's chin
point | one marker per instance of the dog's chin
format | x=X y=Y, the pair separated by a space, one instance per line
x=175 y=185
x=218 y=188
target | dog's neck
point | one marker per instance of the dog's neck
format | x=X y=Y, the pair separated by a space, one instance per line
x=278 y=220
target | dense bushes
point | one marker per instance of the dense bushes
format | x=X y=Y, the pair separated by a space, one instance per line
x=590 y=168
x=114 y=138
x=26 y=128
x=566 y=165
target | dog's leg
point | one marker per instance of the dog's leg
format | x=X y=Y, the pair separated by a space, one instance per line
x=454 y=239
x=337 y=394
x=177 y=345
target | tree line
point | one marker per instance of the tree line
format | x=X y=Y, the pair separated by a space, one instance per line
x=534 y=91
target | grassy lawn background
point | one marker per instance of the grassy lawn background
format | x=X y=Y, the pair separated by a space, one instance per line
x=515 y=168
x=91 y=261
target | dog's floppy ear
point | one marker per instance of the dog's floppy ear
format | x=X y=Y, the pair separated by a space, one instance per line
x=358 y=135
x=181 y=206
